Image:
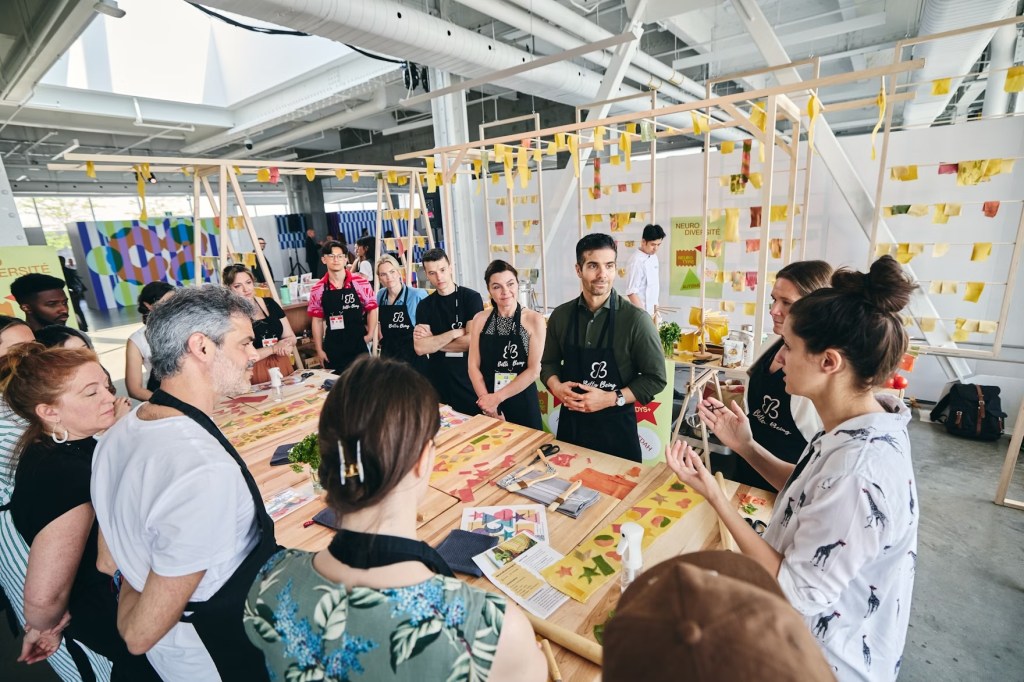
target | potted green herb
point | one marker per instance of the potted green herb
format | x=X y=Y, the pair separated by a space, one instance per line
x=307 y=451
x=670 y=333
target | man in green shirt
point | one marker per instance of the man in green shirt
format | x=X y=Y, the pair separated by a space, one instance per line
x=602 y=354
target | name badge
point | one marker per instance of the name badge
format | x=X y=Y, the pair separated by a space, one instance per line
x=503 y=379
x=337 y=322
x=454 y=355
x=268 y=342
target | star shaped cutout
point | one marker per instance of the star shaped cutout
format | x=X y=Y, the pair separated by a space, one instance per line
x=565 y=571
x=659 y=498
x=589 y=573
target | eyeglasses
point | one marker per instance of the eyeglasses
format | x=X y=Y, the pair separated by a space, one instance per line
x=335 y=256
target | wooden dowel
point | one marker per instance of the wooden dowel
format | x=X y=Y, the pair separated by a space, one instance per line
x=579 y=645
x=553 y=671
x=727 y=540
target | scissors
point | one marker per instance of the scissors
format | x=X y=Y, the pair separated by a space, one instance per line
x=540 y=465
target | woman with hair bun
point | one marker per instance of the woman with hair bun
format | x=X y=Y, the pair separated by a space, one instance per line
x=273 y=337
x=377 y=604
x=842 y=539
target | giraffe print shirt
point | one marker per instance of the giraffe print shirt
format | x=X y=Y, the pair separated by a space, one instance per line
x=846 y=524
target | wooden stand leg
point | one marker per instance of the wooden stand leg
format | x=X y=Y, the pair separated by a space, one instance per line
x=1010 y=462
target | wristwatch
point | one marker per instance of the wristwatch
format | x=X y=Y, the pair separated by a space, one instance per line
x=620 y=399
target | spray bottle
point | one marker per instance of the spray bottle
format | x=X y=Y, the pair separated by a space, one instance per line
x=276 y=383
x=631 y=550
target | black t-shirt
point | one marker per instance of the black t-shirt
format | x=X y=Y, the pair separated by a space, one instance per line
x=450 y=375
x=50 y=481
x=269 y=327
x=258 y=274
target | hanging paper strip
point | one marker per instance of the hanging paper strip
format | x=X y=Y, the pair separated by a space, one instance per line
x=90 y=170
x=592 y=564
x=940 y=86
x=981 y=251
x=626 y=149
x=431 y=180
x=523 y=168
x=745 y=160
x=599 y=139
x=990 y=209
x=903 y=173
x=813 y=109
x=973 y=291
x=573 y=142
x=755 y=216
x=987 y=327
x=882 y=249
x=596 y=192
x=1014 y=79
x=478 y=166
x=779 y=213
x=880 y=101
x=948 y=168
x=505 y=153
x=727 y=147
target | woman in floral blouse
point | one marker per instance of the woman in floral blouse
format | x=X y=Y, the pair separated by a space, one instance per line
x=842 y=540
x=377 y=604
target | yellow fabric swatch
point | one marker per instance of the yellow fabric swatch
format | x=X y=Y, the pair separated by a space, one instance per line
x=987 y=327
x=927 y=324
x=887 y=211
x=614 y=159
x=536 y=156
x=90 y=170
x=599 y=139
x=560 y=141
x=592 y=218
x=756 y=179
x=727 y=147
x=626 y=148
x=940 y=86
x=726 y=306
x=960 y=336
x=573 y=143
x=939 y=249
x=1014 y=79
x=779 y=213
x=699 y=125
x=732 y=224
x=918 y=210
x=935 y=287
x=903 y=254
x=949 y=287
x=981 y=251
x=903 y=173
x=880 y=101
x=311 y=174
x=813 y=109
x=775 y=247
x=355 y=176
x=970 y=326
x=636 y=187
x=431 y=178
x=263 y=175
x=749 y=308
x=551 y=149
x=973 y=292
x=953 y=210
x=392 y=177
x=521 y=165
x=714 y=214
x=724 y=180
x=940 y=217
x=758 y=116
x=1006 y=165
x=916 y=249
x=340 y=173
x=494 y=178
x=882 y=249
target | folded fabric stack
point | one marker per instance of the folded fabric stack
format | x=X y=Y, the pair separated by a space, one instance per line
x=546 y=492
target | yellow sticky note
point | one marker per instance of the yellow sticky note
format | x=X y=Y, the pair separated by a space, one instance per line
x=727 y=147
x=987 y=327
x=927 y=324
x=960 y=335
x=749 y=308
x=939 y=249
x=940 y=86
x=1014 y=79
x=973 y=292
x=981 y=251
x=940 y=217
x=756 y=179
x=949 y=287
x=918 y=210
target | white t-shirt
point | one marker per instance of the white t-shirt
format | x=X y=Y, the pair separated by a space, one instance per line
x=138 y=337
x=847 y=530
x=170 y=499
x=366 y=270
x=642 y=279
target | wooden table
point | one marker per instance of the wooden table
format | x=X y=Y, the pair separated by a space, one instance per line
x=441 y=511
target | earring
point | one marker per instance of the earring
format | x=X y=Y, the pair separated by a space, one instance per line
x=57 y=440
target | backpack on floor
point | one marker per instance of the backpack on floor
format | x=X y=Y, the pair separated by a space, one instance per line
x=974 y=411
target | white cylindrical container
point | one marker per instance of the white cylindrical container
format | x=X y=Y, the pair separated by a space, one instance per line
x=631 y=550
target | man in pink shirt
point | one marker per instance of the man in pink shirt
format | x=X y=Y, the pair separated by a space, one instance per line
x=343 y=309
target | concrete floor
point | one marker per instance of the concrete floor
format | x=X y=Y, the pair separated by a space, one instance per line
x=968 y=610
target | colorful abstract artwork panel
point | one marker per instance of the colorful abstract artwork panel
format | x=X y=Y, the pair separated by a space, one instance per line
x=594 y=562
x=507 y=521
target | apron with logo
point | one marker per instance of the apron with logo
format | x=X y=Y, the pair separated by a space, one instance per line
x=502 y=358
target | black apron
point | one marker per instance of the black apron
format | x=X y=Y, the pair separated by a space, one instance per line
x=218 y=620
x=506 y=355
x=396 y=330
x=450 y=372
x=366 y=550
x=345 y=344
x=613 y=429
x=771 y=419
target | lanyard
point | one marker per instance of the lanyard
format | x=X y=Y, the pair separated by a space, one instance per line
x=457 y=324
x=366 y=550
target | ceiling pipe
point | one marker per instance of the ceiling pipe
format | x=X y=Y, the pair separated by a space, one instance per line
x=1001 y=53
x=375 y=106
x=559 y=15
x=950 y=57
x=524 y=21
x=437 y=43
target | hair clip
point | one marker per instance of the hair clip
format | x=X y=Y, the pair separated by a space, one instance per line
x=351 y=470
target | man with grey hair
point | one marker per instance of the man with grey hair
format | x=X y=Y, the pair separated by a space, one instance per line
x=183 y=526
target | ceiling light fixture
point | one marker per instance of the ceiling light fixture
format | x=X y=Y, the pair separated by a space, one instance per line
x=109 y=7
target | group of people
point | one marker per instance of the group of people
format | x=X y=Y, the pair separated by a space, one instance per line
x=144 y=550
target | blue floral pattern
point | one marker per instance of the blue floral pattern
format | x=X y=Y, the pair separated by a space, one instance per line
x=312 y=629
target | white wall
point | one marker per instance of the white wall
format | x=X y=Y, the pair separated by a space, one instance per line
x=834 y=234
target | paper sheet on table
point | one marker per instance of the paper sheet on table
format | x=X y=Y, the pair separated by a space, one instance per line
x=514 y=567
x=506 y=521
x=285 y=502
